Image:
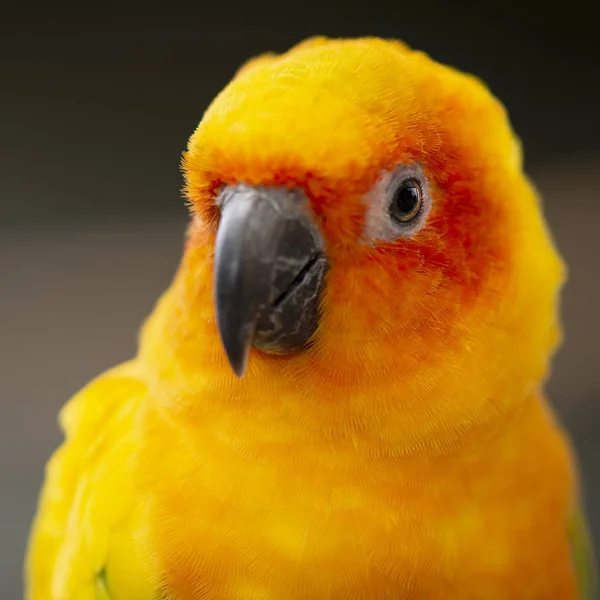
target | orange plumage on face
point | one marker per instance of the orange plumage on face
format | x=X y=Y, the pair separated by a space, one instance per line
x=332 y=119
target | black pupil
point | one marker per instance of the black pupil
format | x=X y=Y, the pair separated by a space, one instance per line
x=407 y=198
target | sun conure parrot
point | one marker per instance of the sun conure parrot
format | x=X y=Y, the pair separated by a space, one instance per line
x=340 y=396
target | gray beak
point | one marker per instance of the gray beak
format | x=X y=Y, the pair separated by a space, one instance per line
x=269 y=272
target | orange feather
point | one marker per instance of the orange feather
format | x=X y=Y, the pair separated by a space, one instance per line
x=409 y=452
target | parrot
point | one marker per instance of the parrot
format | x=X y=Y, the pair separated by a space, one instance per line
x=341 y=393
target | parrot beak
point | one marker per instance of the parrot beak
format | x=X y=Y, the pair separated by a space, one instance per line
x=269 y=271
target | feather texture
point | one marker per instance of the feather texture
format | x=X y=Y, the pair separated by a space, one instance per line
x=409 y=452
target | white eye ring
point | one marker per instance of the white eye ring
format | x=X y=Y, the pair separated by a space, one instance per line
x=386 y=219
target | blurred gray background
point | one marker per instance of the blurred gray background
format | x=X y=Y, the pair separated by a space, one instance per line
x=96 y=107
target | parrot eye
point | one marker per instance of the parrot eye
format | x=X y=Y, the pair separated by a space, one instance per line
x=397 y=205
x=407 y=201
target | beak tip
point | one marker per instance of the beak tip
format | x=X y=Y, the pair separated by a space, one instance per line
x=239 y=368
x=237 y=352
x=237 y=359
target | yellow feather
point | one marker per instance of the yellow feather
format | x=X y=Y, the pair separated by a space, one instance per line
x=409 y=453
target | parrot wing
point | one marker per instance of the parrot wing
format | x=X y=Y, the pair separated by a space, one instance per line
x=583 y=557
x=86 y=502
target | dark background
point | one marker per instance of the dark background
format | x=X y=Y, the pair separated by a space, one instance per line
x=96 y=107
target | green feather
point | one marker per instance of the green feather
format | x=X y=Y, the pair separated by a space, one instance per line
x=102 y=592
x=583 y=557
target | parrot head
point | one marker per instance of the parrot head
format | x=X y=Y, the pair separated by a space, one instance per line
x=366 y=221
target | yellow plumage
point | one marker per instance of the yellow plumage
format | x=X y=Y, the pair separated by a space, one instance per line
x=408 y=451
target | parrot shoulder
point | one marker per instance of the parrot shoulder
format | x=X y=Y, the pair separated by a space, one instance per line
x=87 y=497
